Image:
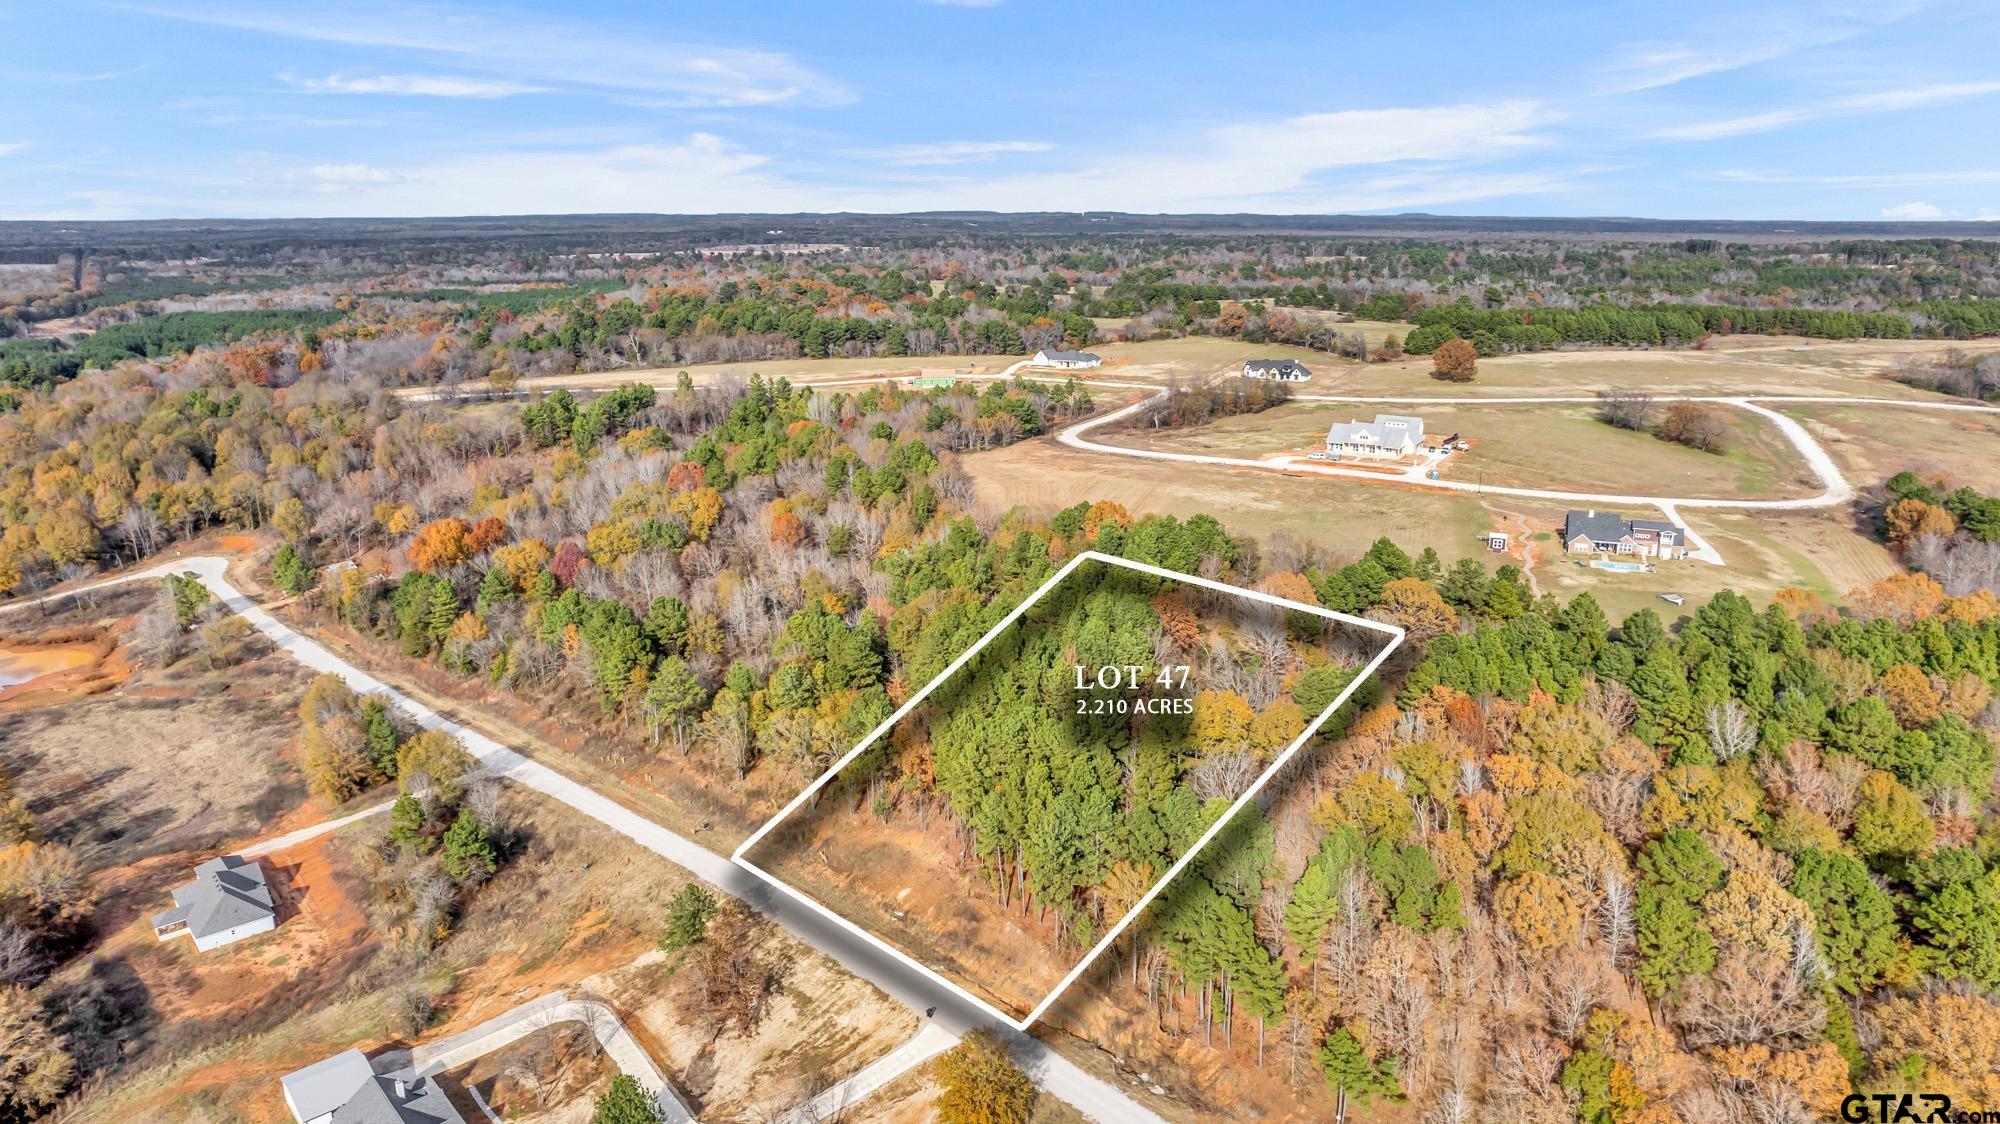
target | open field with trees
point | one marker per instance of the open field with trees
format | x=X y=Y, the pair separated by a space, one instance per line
x=1541 y=446
x=1875 y=444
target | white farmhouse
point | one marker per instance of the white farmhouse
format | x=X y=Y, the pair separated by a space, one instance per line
x=1388 y=436
x=1066 y=360
x=1276 y=370
x=227 y=901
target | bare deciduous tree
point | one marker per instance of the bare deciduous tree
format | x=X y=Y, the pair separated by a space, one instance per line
x=1732 y=731
x=1626 y=409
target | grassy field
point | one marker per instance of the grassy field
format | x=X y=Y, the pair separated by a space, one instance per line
x=1556 y=446
x=1739 y=365
x=1827 y=551
x=1873 y=444
x=1340 y=515
x=1765 y=551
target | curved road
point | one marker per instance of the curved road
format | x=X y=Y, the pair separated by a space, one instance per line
x=1835 y=487
x=1095 y=1098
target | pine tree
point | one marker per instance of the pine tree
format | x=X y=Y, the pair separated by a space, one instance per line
x=382 y=743
x=673 y=696
x=688 y=917
x=1349 y=1070
x=406 y=824
x=625 y=1103
x=468 y=852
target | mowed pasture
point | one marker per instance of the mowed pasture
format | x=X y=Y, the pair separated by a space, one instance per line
x=1554 y=446
x=1825 y=551
x=1871 y=443
x=1341 y=515
x=1735 y=365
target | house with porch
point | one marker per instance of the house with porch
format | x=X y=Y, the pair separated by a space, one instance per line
x=1276 y=370
x=1387 y=437
x=1605 y=532
x=1066 y=360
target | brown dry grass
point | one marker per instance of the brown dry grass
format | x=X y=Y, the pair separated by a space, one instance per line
x=1873 y=444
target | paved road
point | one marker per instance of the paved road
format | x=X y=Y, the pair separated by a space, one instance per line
x=511 y=1026
x=929 y=1041
x=1095 y=1098
x=293 y=838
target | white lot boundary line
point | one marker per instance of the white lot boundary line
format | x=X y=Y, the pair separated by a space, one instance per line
x=1396 y=636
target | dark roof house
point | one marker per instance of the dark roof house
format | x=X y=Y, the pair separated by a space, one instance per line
x=1587 y=532
x=227 y=901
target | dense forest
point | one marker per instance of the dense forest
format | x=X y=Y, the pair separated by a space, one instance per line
x=541 y=312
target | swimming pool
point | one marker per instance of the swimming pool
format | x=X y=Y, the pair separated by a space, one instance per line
x=1622 y=567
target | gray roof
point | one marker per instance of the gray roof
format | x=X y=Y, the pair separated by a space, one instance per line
x=348 y=1087
x=1387 y=430
x=1275 y=366
x=1066 y=356
x=421 y=1102
x=226 y=892
x=1609 y=526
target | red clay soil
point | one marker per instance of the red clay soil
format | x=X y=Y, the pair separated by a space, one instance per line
x=101 y=667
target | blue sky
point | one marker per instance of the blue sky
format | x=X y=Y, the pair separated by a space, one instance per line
x=187 y=108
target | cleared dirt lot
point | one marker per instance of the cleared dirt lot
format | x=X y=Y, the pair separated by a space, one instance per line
x=158 y=768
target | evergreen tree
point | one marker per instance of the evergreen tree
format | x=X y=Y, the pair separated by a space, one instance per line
x=1349 y=1070
x=688 y=916
x=625 y=1103
x=382 y=741
x=468 y=852
x=406 y=824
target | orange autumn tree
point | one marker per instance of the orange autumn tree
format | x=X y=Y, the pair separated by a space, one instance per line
x=1102 y=512
x=787 y=530
x=1910 y=518
x=1903 y=598
x=441 y=544
x=1455 y=360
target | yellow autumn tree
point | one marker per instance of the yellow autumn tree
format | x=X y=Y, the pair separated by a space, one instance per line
x=1416 y=605
x=1221 y=721
x=1539 y=910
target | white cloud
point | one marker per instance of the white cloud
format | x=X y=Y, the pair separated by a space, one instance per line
x=1344 y=161
x=1881 y=101
x=1887 y=179
x=1912 y=211
x=1652 y=65
x=515 y=48
x=427 y=85
x=10 y=148
x=331 y=178
x=949 y=152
